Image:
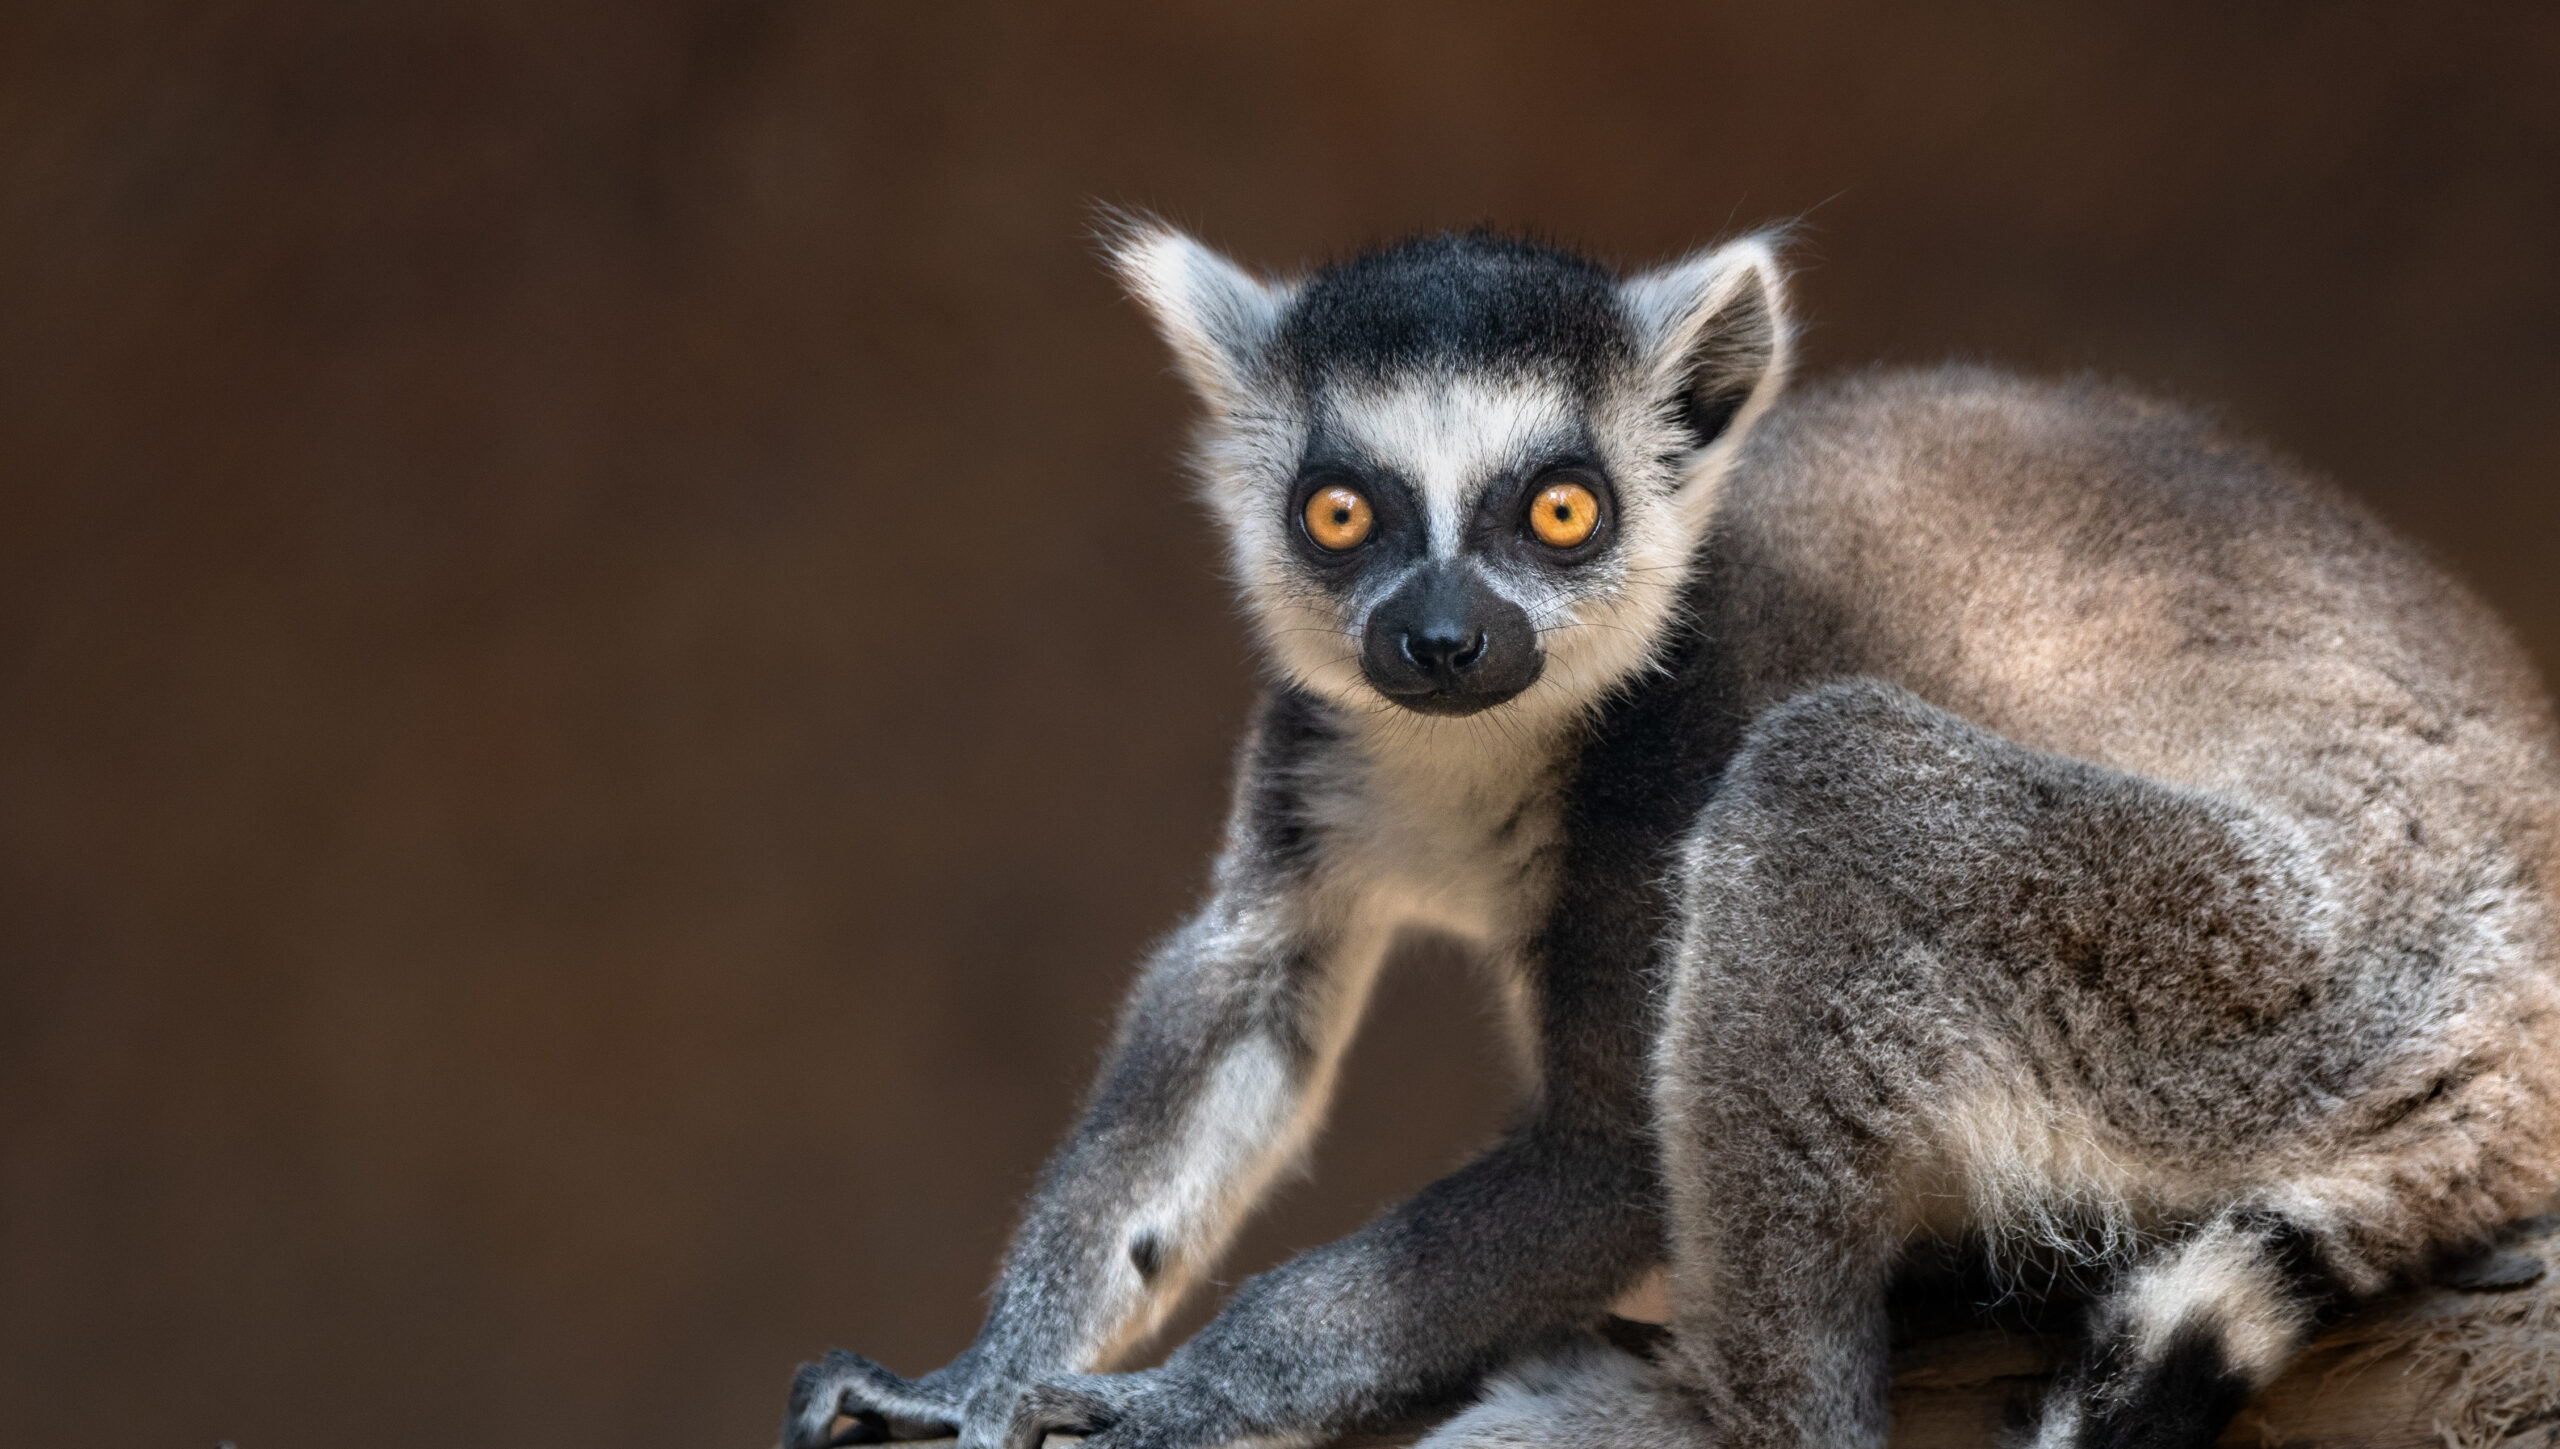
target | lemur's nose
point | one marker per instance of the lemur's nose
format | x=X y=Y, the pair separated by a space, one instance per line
x=1445 y=643
x=1442 y=651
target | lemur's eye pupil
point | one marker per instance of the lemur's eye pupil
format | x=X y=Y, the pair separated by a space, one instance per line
x=1338 y=518
x=1566 y=515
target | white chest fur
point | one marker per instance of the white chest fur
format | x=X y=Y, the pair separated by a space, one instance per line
x=1446 y=825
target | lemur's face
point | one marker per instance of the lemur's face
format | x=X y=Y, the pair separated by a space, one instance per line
x=1466 y=473
x=1448 y=536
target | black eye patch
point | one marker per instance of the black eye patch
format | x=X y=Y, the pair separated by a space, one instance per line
x=1395 y=534
x=1500 y=525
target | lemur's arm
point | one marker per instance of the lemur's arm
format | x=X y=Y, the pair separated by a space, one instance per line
x=1538 y=1235
x=1225 y=1056
x=1225 y=1059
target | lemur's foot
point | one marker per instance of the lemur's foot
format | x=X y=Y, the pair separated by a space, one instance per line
x=1147 y=1410
x=881 y=1405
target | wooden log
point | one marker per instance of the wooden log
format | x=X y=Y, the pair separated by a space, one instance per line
x=2471 y=1361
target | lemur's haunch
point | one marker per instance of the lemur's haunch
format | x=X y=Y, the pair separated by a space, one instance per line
x=1933 y=807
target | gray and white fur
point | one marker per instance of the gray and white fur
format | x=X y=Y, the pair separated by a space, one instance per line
x=1932 y=807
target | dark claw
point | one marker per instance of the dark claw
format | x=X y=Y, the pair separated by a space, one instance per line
x=2494 y=1272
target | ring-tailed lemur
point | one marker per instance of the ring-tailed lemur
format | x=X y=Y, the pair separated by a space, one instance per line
x=1936 y=806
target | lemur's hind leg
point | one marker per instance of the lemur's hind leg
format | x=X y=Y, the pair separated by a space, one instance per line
x=1929 y=979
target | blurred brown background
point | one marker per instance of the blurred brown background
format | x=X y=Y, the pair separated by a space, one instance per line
x=603 y=662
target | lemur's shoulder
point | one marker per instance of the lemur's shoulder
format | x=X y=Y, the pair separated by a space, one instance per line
x=1951 y=470
x=1992 y=437
x=2089 y=569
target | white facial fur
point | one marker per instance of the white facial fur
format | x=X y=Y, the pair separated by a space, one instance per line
x=1452 y=439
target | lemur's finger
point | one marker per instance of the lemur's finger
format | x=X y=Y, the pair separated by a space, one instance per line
x=1057 y=1407
x=880 y=1403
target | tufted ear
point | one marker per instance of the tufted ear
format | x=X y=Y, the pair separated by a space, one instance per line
x=1716 y=341
x=1219 y=320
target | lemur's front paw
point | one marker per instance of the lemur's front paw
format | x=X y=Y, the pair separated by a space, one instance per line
x=881 y=1405
x=1146 y=1410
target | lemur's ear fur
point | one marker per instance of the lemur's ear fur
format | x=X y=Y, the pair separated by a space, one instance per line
x=1217 y=318
x=1716 y=341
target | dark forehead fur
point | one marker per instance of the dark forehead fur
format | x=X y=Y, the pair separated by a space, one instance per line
x=1458 y=302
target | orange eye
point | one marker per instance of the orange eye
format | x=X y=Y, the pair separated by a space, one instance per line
x=1564 y=515
x=1338 y=518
